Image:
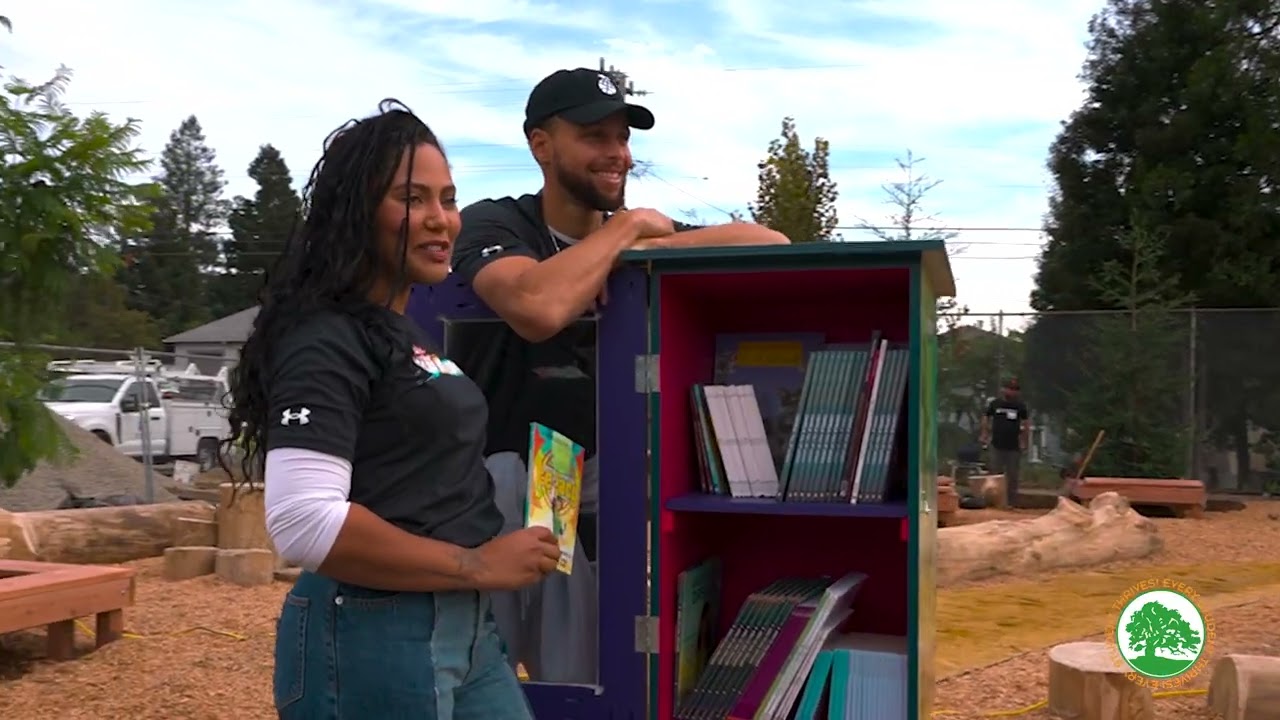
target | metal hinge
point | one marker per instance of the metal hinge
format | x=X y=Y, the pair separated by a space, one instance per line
x=647 y=634
x=646 y=373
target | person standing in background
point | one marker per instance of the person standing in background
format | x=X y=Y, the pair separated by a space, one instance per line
x=1006 y=427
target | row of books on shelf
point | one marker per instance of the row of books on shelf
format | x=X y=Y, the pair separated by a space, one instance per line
x=784 y=655
x=793 y=418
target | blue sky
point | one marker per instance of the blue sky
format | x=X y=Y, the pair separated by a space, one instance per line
x=975 y=89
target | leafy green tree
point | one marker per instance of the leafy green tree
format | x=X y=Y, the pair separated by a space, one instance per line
x=96 y=314
x=64 y=199
x=260 y=227
x=169 y=266
x=796 y=195
x=1181 y=125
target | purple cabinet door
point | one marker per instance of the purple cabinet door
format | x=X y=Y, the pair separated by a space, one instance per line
x=621 y=692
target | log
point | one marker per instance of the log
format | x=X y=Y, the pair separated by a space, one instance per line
x=184 y=563
x=242 y=518
x=96 y=535
x=1069 y=536
x=248 y=567
x=1087 y=682
x=194 y=532
x=1246 y=687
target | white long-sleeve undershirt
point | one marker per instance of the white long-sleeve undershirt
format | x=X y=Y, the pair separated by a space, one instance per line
x=306 y=502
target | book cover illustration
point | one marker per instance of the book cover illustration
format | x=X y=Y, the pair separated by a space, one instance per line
x=555 y=488
x=697 y=618
x=774 y=363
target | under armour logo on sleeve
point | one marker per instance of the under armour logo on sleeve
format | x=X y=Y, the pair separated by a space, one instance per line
x=301 y=417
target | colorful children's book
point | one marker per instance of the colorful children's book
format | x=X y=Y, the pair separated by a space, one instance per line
x=555 y=488
x=697 y=619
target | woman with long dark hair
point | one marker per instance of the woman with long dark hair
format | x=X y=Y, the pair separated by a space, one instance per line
x=370 y=444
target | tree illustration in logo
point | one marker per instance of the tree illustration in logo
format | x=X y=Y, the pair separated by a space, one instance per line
x=1168 y=644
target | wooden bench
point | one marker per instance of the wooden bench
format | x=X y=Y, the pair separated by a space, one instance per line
x=33 y=594
x=1186 y=498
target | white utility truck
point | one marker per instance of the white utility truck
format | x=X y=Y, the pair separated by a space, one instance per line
x=184 y=410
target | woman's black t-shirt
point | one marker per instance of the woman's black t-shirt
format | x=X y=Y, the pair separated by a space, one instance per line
x=410 y=423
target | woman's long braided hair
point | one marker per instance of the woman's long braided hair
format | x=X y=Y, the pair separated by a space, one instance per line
x=330 y=263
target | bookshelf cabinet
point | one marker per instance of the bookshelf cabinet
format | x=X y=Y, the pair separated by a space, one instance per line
x=656 y=339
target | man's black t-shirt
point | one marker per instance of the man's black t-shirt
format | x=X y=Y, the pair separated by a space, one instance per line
x=409 y=422
x=551 y=382
x=1006 y=422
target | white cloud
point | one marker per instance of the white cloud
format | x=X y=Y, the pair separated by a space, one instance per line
x=289 y=71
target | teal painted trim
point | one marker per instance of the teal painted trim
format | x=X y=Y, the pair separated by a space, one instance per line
x=655 y=501
x=757 y=263
x=863 y=249
x=913 y=491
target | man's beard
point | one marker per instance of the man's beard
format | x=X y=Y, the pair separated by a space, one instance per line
x=581 y=188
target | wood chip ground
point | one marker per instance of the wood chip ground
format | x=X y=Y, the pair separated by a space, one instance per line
x=201 y=649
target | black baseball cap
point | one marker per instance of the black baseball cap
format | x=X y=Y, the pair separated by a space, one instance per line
x=581 y=96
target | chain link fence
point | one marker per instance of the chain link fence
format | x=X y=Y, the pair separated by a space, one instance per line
x=1179 y=394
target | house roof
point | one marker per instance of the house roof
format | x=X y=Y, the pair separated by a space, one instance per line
x=234 y=328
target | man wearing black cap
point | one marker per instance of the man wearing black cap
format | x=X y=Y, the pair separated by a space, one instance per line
x=1007 y=427
x=540 y=261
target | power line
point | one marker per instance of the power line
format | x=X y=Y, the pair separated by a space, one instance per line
x=513 y=85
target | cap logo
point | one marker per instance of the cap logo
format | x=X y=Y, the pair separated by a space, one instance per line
x=606 y=85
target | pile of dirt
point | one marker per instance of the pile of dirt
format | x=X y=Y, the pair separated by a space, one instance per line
x=96 y=469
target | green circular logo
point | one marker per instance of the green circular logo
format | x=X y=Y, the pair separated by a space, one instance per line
x=1161 y=634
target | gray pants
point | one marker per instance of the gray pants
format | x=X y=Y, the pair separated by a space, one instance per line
x=552 y=627
x=1009 y=464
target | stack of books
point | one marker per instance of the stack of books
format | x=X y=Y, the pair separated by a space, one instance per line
x=792 y=418
x=784 y=657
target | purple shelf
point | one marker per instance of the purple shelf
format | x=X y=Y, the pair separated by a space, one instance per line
x=702 y=502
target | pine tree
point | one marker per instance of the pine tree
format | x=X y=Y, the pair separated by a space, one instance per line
x=260 y=227
x=1135 y=385
x=796 y=195
x=907 y=222
x=168 y=267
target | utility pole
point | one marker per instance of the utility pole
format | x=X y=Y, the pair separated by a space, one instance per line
x=639 y=168
x=620 y=79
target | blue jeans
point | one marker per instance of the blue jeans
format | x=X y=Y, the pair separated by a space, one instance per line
x=351 y=653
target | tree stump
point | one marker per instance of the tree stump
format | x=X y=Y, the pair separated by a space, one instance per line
x=195 y=532
x=991 y=488
x=242 y=518
x=1068 y=537
x=1246 y=687
x=183 y=563
x=948 y=501
x=1087 y=682
x=246 y=567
